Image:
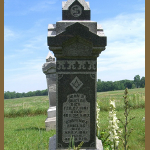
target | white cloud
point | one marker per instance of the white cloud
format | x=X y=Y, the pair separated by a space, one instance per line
x=125 y=50
x=43 y=5
x=122 y=56
x=8 y=34
x=125 y=27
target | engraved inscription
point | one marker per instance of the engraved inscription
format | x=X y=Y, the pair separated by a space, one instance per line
x=59 y=145
x=92 y=76
x=76 y=65
x=76 y=84
x=92 y=144
x=76 y=10
x=76 y=118
x=60 y=76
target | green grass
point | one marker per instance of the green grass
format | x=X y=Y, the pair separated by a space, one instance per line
x=26 y=133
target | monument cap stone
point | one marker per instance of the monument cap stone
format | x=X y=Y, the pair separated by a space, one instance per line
x=75 y=10
x=76 y=37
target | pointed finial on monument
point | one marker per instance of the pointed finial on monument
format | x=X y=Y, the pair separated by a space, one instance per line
x=76 y=10
x=50 y=57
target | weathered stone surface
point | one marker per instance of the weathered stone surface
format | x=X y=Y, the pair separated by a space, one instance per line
x=51 y=29
x=49 y=69
x=76 y=10
x=51 y=112
x=52 y=144
x=76 y=45
x=78 y=37
x=77 y=29
x=50 y=123
x=76 y=65
x=76 y=103
x=62 y=25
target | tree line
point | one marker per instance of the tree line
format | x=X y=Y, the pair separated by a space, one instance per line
x=102 y=86
x=11 y=95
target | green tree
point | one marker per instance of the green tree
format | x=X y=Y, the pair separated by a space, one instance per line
x=13 y=94
x=38 y=93
x=137 y=81
x=133 y=86
x=128 y=84
x=99 y=86
x=18 y=95
x=44 y=92
x=142 y=82
x=29 y=94
x=7 y=95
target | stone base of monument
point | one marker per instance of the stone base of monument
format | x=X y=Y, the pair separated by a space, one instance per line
x=51 y=112
x=52 y=144
x=50 y=122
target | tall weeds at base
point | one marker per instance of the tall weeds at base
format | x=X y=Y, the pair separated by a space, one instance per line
x=127 y=132
x=72 y=144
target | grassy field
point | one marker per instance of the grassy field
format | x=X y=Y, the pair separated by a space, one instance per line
x=136 y=99
x=26 y=106
x=28 y=132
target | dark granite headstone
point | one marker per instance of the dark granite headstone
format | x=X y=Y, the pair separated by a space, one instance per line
x=76 y=45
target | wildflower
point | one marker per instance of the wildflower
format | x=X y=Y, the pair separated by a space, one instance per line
x=98 y=117
x=143 y=119
x=113 y=126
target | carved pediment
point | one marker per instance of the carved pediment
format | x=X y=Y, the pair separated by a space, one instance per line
x=77 y=41
x=77 y=47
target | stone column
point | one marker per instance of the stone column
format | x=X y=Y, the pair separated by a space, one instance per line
x=76 y=43
x=49 y=69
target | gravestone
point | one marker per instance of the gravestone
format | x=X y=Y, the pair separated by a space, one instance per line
x=76 y=42
x=49 y=69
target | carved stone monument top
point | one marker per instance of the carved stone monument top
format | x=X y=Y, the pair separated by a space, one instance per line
x=50 y=57
x=50 y=66
x=75 y=10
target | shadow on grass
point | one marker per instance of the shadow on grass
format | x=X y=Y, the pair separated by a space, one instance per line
x=31 y=128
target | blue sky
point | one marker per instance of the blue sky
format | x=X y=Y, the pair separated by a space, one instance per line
x=25 y=40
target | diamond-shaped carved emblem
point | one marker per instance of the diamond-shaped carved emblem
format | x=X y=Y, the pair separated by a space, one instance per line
x=76 y=84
